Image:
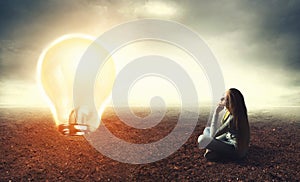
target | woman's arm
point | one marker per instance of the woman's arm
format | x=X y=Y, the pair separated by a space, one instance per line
x=224 y=128
x=214 y=124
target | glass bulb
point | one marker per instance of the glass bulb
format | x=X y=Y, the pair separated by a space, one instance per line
x=55 y=74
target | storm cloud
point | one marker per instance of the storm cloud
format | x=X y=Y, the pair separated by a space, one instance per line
x=259 y=40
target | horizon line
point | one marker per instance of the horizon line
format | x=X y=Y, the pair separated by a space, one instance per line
x=201 y=105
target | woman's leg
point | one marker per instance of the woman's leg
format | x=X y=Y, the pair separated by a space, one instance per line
x=222 y=148
x=216 y=148
x=206 y=131
x=219 y=149
x=204 y=140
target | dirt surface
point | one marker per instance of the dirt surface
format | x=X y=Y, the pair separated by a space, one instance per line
x=33 y=150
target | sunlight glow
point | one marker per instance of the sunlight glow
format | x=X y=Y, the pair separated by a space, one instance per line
x=56 y=72
x=156 y=8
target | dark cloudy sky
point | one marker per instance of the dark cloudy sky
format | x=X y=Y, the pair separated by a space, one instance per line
x=256 y=42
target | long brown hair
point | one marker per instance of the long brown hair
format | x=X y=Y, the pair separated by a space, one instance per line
x=237 y=107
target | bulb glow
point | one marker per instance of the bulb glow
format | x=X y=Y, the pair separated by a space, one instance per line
x=56 y=71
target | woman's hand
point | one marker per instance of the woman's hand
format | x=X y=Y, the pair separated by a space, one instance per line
x=221 y=105
x=219 y=108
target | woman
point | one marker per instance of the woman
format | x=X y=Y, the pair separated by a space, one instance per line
x=231 y=139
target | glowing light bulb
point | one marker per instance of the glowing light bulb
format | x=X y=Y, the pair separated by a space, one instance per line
x=55 y=74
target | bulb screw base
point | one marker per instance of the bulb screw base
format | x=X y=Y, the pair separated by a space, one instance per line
x=73 y=129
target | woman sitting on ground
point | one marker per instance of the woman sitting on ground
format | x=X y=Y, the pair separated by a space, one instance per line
x=231 y=139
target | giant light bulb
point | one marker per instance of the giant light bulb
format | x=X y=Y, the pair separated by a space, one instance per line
x=55 y=74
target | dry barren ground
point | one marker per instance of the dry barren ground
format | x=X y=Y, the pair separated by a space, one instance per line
x=33 y=150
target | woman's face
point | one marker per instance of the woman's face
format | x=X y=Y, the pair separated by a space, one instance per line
x=227 y=100
x=224 y=100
